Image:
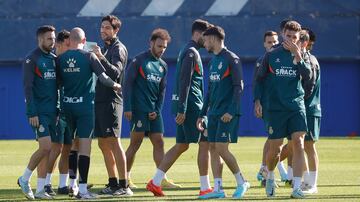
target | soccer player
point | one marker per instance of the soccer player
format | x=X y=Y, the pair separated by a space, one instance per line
x=61 y=142
x=144 y=91
x=285 y=67
x=222 y=107
x=313 y=115
x=75 y=72
x=187 y=101
x=260 y=100
x=109 y=107
x=39 y=77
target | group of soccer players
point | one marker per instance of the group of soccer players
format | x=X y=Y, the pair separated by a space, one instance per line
x=66 y=109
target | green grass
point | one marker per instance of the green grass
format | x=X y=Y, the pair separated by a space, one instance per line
x=339 y=172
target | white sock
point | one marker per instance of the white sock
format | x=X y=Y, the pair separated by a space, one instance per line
x=72 y=182
x=63 y=178
x=290 y=173
x=239 y=178
x=27 y=174
x=159 y=176
x=296 y=183
x=40 y=184
x=306 y=176
x=313 y=178
x=218 y=184
x=83 y=188
x=281 y=168
x=128 y=174
x=48 y=178
x=271 y=175
x=204 y=182
x=262 y=166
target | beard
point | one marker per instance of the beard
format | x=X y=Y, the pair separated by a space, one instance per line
x=47 y=48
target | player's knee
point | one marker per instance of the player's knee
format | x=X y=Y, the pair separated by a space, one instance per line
x=298 y=143
x=182 y=147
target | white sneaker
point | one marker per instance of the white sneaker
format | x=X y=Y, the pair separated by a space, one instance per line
x=25 y=188
x=297 y=193
x=86 y=196
x=74 y=191
x=310 y=190
x=43 y=195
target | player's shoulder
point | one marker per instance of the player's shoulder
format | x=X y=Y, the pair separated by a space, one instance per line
x=231 y=56
x=119 y=46
x=32 y=56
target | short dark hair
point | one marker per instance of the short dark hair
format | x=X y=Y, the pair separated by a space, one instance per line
x=62 y=35
x=292 y=26
x=160 y=33
x=311 y=34
x=304 y=36
x=114 y=21
x=270 y=33
x=43 y=29
x=200 y=25
x=215 y=31
x=283 y=22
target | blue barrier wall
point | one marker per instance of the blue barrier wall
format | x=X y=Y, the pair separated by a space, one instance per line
x=340 y=103
x=336 y=23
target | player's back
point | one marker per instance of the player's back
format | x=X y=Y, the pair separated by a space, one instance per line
x=77 y=79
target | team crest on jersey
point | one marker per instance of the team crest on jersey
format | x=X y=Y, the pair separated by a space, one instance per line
x=257 y=64
x=271 y=131
x=220 y=65
x=236 y=61
x=161 y=69
x=139 y=124
x=41 y=129
x=44 y=64
x=71 y=62
x=191 y=55
x=27 y=61
x=277 y=60
x=134 y=60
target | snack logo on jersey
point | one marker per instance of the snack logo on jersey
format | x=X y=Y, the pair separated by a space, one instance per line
x=153 y=78
x=215 y=77
x=50 y=74
x=71 y=66
x=285 y=71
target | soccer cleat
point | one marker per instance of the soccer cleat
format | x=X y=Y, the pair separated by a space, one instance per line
x=43 y=195
x=156 y=190
x=262 y=174
x=88 y=195
x=123 y=192
x=309 y=190
x=213 y=194
x=49 y=190
x=108 y=190
x=131 y=184
x=270 y=188
x=63 y=190
x=240 y=190
x=73 y=191
x=25 y=188
x=205 y=191
x=297 y=193
x=165 y=183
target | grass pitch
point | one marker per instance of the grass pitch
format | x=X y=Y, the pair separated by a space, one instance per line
x=339 y=172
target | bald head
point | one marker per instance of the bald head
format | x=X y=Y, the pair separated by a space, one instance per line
x=77 y=35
